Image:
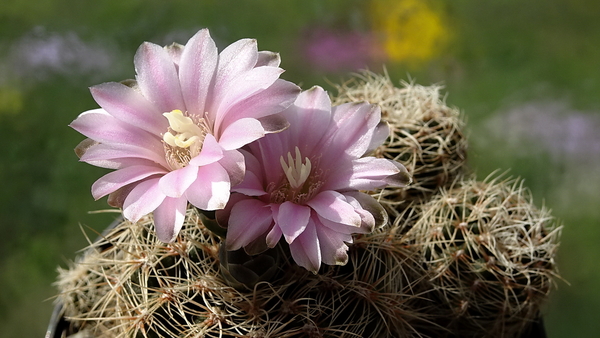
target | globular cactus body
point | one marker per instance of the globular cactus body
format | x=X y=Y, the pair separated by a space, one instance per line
x=489 y=256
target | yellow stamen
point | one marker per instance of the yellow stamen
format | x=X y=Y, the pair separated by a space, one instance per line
x=186 y=131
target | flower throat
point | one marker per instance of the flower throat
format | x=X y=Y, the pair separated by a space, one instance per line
x=183 y=141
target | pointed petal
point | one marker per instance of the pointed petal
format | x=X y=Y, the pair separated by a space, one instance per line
x=243 y=87
x=240 y=133
x=233 y=162
x=311 y=112
x=275 y=234
x=272 y=100
x=142 y=200
x=250 y=186
x=372 y=213
x=305 y=249
x=266 y=58
x=175 y=183
x=355 y=125
x=210 y=191
x=222 y=215
x=292 y=220
x=211 y=152
x=368 y=173
x=333 y=206
x=274 y=123
x=342 y=228
x=84 y=146
x=102 y=127
x=169 y=217
x=129 y=106
x=197 y=69
x=157 y=77
x=111 y=155
x=334 y=250
x=380 y=134
x=175 y=50
x=117 y=198
x=240 y=56
x=249 y=219
x=122 y=177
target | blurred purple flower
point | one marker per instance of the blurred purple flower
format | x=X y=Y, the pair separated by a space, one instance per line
x=173 y=134
x=333 y=51
x=303 y=183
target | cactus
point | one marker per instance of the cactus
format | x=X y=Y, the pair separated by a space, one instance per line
x=130 y=284
x=489 y=255
x=459 y=257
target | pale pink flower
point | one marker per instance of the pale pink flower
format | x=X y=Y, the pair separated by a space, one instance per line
x=303 y=183
x=172 y=135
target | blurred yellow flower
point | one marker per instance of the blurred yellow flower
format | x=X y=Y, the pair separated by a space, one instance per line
x=411 y=30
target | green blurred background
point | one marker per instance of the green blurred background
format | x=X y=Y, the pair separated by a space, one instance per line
x=525 y=74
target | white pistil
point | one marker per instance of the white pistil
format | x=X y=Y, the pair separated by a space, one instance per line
x=186 y=131
x=296 y=171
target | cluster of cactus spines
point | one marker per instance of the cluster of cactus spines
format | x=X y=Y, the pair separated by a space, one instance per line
x=489 y=256
x=458 y=258
x=425 y=134
x=130 y=284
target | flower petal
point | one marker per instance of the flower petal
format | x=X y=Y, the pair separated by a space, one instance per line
x=211 y=152
x=274 y=236
x=311 y=112
x=333 y=206
x=112 y=155
x=102 y=127
x=372 y=213
x=380 y=134
x=175 y=183
x=233 y=162
x=356 y=123
x=270 y=101
x=368 y=173
x=142 y=200
x=238 y=57
x=249 y=219
x=210 y=191
x=305 y=249
x=169 y=217
x=266 y=58
x=157 y=77
x=197 y=66
x=120 y=178
x=242 y=87
x=240 y=133
x=334 y=250
x=250 y=186
x=292 y=220
x=129 y=106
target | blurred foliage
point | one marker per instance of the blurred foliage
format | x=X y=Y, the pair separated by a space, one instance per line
x=488 y=55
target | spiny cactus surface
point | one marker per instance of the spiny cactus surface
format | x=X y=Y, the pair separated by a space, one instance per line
x=130 y=284
x=489 y=255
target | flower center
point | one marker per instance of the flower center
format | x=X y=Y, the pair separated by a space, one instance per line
x=296 y=171
x=183 y=141
x=300 y=183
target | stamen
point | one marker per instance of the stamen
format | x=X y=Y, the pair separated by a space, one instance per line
x=296 y=172
x=184 y=138
x=186 y=131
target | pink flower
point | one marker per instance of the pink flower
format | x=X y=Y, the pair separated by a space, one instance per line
x=173 y=134
x=303 y=183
